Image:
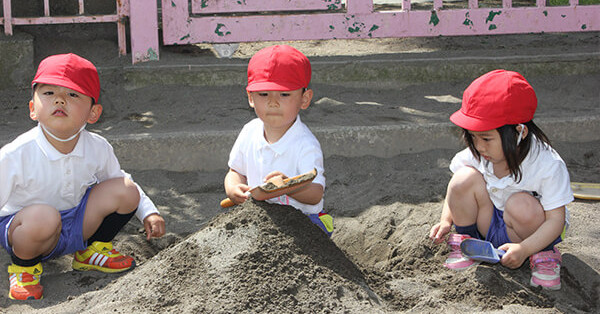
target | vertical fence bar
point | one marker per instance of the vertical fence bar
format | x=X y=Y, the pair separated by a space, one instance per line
x=122 y=12
x=507 y=4
x=81 y=7
x=7 y=17
x=143 y=28
x=359 y=6
x=573 y=2
x=437 y=4
x=46 y=7
x=474 y=4
x=405 y=5
x=540 y=3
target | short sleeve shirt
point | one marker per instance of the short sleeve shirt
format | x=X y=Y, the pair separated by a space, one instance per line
x=297 y=152
x=32 y=171
x=544 y=174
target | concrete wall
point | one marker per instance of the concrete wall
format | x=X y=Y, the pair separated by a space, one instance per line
x=16 y=60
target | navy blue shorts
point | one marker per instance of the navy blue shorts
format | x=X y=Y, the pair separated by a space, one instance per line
x=497 y=233
x=71 y=234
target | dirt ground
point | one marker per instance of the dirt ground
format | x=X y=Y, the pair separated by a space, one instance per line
x=259 y=258
x=269 y=258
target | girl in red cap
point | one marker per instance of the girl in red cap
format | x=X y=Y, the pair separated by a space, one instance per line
x=509 y=187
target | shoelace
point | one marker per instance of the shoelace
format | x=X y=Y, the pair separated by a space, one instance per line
x=546 y=266
x=19 y=277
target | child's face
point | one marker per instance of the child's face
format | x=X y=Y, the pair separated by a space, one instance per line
x=489 y=145
x=61 y=110
x=278 y=109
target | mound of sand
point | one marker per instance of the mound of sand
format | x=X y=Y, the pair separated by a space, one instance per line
x=258 y=258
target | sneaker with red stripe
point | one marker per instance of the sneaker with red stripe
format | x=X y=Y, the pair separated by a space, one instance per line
x=25 y=282
x=103 y=257
x=545 y=269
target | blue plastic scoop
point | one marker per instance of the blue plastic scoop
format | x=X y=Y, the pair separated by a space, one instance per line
x=480 y=250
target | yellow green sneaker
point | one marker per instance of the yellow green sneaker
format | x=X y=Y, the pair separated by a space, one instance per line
x=25 y=282
x=103 y=257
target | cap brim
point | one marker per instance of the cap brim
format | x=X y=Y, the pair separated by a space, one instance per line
x=263 y=86
x=63 y=83
x=473 y=124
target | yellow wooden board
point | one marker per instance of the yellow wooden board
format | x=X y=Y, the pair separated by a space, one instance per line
x=586 y=191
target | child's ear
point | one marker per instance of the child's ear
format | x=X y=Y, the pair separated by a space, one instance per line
x=524 y=128
x=250 y=100
x=32 y=113
x=94 y=113
x=306 y=98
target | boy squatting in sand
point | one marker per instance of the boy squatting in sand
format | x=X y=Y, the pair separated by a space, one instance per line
x=277 y=142
x=62 y=190
x=509 y=187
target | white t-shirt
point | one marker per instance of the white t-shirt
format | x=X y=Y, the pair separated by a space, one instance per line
x=32 y=171
x=297 y=152
x=543 y=172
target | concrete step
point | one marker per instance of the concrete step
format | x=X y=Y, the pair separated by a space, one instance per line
x=382 y=98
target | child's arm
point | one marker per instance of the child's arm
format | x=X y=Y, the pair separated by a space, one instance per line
x=310 y=194
x=551 y=228
x=236 y=187
x=439 y=230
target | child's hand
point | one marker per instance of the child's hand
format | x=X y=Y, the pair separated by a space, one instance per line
x=275 y=174
x=439 y=231
x=239 y=193
x=154 y=225
x=515 y=255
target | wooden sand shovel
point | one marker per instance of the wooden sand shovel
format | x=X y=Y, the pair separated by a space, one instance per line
x=276 y=186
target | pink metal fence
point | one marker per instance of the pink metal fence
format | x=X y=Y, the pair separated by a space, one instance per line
x=329 y=19
x=232 y=21
x=142 y=20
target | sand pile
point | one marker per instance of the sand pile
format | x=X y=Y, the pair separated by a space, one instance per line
x=257 y=257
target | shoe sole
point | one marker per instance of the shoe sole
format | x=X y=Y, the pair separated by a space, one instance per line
x=553 y=288
x=28 y=298
x=85 y=267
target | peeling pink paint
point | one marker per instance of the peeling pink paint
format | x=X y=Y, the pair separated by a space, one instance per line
x=357 y=21
x=317 y=19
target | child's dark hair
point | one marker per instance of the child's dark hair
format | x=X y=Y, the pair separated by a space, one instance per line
x=514 y=155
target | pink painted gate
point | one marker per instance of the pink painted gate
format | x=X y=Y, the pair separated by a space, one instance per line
x=143 y=24
x=231 y=21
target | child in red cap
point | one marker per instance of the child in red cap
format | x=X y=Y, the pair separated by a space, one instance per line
x=277 y=143
x=509 y=187
x=62 y=190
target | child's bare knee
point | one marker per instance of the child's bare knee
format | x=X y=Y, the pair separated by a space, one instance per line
x=130 y=194
x=466 y=179
x=524 y=208
x=40 y=222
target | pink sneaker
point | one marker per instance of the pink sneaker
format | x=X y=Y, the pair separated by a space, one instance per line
x=545 y=269
x=456 y=261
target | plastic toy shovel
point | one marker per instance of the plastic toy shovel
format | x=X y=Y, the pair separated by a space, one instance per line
x=480 y=250
x=276 y=186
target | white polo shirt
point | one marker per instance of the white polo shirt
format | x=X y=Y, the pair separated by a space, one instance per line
x=32 y=171
x=543 y=172
x=297 y=152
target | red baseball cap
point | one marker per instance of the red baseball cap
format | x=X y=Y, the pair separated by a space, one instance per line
x=70 y=71
x=280 y=68
x=495 y=99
